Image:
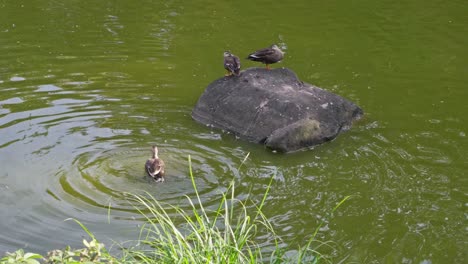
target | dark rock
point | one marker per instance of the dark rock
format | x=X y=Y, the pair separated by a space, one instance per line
x=275 y=108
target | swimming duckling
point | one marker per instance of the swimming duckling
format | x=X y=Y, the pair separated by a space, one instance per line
x=270 y=55
x=154 y=166
x=231 y=63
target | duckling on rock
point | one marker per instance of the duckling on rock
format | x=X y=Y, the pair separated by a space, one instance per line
x=154 y=166
x=231 y=63
x=269 y=55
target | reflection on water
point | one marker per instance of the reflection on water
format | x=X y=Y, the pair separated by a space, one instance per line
x=85 y=92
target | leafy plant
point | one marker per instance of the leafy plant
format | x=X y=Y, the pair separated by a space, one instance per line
x=227 y=234
x=20 y=257
x=93 y=252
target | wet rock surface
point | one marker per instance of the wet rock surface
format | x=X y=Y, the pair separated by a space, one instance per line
x=275 y=108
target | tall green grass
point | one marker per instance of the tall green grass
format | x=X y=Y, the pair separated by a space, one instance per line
x=227 y=234
x=224 y=235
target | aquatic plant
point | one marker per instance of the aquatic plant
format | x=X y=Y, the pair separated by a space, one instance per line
x=19 y=256
x=93 y=252
x=171 y=234
x=227 y=234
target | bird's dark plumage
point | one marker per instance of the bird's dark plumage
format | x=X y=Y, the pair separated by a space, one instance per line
x=154 y=166
x=267 y=56
x=231 y=63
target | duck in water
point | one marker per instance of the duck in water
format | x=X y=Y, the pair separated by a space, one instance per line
x=154 y=166
x=268 y=56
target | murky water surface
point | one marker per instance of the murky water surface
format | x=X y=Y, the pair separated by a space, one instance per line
x=86 y=87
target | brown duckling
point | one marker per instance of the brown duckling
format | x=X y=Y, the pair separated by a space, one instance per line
x=270 y=55
x=231 y=64
x=154 y=166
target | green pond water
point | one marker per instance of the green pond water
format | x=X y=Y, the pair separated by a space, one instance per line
x=86 y=87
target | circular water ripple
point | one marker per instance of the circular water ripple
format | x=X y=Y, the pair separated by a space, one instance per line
x=101 y=178
x=69 y=149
